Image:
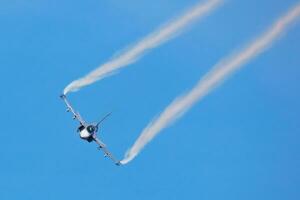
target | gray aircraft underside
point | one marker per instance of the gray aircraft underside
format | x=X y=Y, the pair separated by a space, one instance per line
x=88 y=131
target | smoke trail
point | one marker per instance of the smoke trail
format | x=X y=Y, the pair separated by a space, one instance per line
x=131 y=55
x=219 y=72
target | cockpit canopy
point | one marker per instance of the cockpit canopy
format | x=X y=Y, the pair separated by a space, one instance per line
x=91 y=129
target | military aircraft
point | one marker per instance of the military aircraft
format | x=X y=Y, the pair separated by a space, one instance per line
x=88 y=131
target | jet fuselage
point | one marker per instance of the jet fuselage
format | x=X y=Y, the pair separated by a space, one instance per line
x=87 y=132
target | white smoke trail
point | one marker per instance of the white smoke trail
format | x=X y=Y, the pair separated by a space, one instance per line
x=219 y=72
x=153 y=40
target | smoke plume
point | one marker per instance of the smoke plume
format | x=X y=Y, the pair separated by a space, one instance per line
x=153 y=40
x=216 y=76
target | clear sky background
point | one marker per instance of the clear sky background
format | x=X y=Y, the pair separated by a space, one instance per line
x=241 y=142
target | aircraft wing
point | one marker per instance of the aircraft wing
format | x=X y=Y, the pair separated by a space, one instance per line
x=106 y=152
x=70 y=109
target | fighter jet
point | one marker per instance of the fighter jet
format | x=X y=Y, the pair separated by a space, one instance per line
x=88 y=131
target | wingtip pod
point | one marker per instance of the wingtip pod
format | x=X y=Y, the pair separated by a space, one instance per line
x=118 y=163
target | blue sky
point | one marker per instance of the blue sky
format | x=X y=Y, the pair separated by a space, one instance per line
x=240 y=142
